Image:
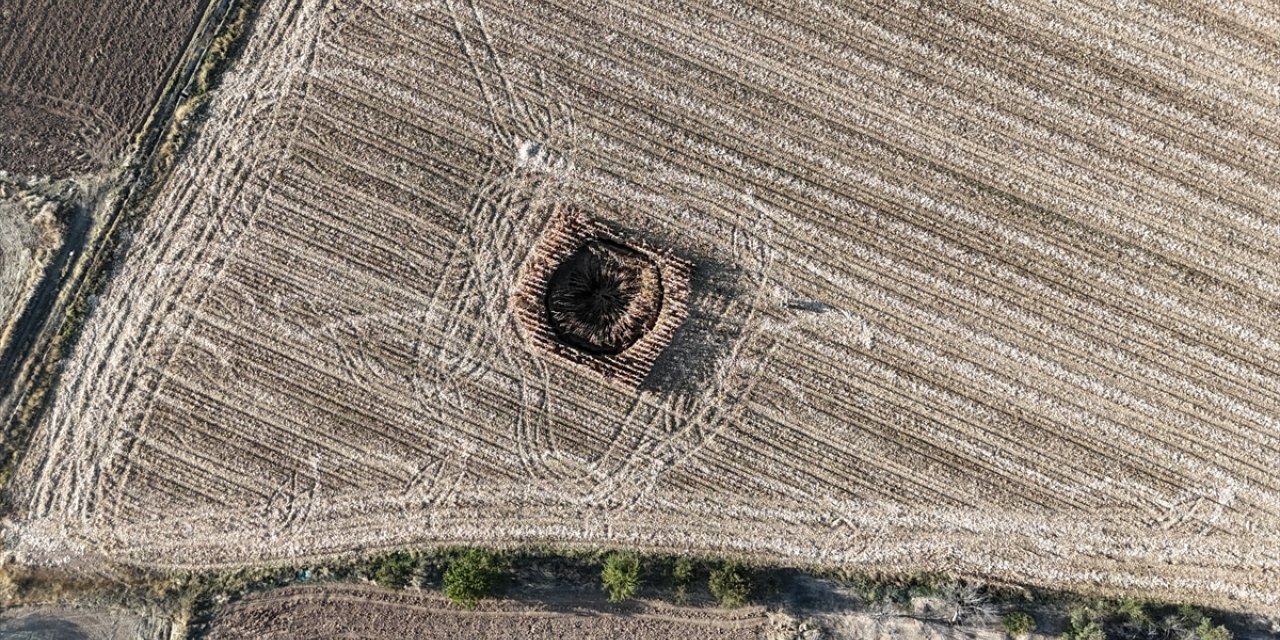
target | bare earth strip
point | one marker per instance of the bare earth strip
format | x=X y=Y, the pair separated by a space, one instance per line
x=983 y=287
x=342 y=611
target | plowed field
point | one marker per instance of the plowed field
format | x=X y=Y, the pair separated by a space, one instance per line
x=77 y=78
x=989 y=287
x=367 y=612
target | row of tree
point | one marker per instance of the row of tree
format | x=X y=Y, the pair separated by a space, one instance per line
x=474 y=574
x=729 y=583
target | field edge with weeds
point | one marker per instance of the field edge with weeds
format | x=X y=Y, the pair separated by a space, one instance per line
x=685 y=580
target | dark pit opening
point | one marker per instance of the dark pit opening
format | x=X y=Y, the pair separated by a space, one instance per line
x=603 y=297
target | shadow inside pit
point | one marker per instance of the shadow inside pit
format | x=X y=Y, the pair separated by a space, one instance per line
x=707 y=333
x=41 y=627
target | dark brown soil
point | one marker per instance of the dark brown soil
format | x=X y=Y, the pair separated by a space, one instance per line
x=76 y=79
x=352 y=611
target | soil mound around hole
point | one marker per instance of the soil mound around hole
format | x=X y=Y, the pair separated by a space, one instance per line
x=604 y=297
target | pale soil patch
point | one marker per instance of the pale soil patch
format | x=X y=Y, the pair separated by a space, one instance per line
x=863 y=626
x=980 y=287
x=29 y=232
x=79 y=623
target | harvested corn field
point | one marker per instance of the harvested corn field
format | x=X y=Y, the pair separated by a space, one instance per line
x=981 y=287
x=340 y=611
x=76 y=80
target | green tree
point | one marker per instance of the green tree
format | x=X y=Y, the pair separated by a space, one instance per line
x=730 y=584
x=621 y=576
x=1134 y=612
x=473 y=576
x=1018 y=623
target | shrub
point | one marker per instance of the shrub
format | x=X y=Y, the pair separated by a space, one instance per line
x=1191 y=623
x=1134 y=612
x=394 y=570
x=1207 y=631
x=473 y=576
x=1084 y=625
x=1018 y=623
x=682 y=577
x=730 y=584
x=898 y=590
x=621 y=576
x=966 y=601
x=1088 y=631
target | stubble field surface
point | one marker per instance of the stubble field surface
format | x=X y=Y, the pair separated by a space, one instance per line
x=989 y=287
x=77 y=78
